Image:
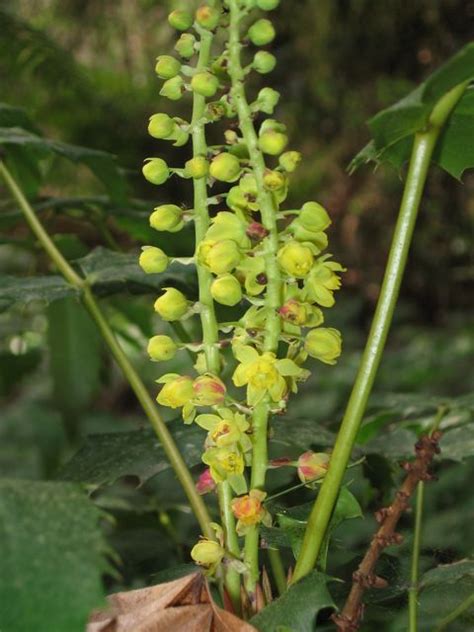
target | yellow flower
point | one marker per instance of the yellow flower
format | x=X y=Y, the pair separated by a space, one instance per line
x=322 y=281
x=225 y=429
x=177 y=390
x=224 y=462
x=296 y=259
x=325 y=344
x=219 y=256
x=209 y=390
x=207 y=553
x=263 y=373
x=249 y=511
x=312 y=465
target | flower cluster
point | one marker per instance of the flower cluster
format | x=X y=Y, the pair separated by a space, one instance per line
x=253 y=255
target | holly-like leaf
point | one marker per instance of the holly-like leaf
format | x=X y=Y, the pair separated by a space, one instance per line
x=104 y=458
x=102 y=164
x=298 y=607
x=51 y=549
x=393 y=129
x=21 y=291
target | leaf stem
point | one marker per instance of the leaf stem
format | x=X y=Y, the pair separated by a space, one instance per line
x=210 y=331
x=268 y=212
x=149 y=407
x=415 y=560
x=423 y=146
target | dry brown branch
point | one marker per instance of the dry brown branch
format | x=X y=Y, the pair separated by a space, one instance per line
x=350 y=617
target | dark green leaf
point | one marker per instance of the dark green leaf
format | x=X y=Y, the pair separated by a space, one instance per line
x=105 y=458
x=448 y=573
x=102 y=164
x=75 y=361
x=11 y=116
x=304 y=433
x=458 y=444
x=21 y=291
x=52 y=557
x=296 y=610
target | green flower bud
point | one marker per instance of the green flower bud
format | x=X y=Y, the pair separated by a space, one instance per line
x=156 y=171
x=161 y=348
x=196 y=168
x=205 y=84
x=319 y=239
x=167 y=217
x=226 y=290
x=220 y=256
x=295 y=259
x=207 y=553
x=290 y=160
x=248 y=184
x=216 y=110
x=267 y=5
x=167 y=67
x=161 y=126
x=267 y=100
x=227 y=225
x=172 y=305
x=180 y=135
x=225 y=167
x=324 y=344
x=264 y=62
x=173 y=88
x=261 y=33
x=313 y=217
x=180 y=20
x=272 y=142
x=208 y=17
x=176 y=392
x=274 y=180
x=185 y=45
x=153 y=260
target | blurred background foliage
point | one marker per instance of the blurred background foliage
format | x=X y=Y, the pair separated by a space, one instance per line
x=83 y=70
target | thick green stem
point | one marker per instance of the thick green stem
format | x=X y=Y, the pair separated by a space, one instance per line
x=124 y=363
x=422 y=152
x=210 y=330
x=415 y=561
x=278 y=570
x=268 y=212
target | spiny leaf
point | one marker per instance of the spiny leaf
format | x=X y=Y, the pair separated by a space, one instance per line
x=52 y=557
x=21 y=291
x=102 y=164
x=298 y=607
x=107 y=457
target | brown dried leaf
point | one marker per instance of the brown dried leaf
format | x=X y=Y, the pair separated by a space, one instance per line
x=184 y=604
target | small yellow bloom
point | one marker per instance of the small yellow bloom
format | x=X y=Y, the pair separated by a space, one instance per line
x=322 y=281
x=176 y=392
x=209 y=390
x=312 y=465
x=219 y=256
x=249 y=510
x=296 y=259
x=224 y=462
x=207 y=553
x=325 y=344
x=172 y=305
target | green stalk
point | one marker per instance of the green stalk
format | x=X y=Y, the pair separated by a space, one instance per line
x=210 y=330
x=457 y=612
x=422 y=152
x=278 y=570
x=268 y=212
x=149 y=407
x=415 y=561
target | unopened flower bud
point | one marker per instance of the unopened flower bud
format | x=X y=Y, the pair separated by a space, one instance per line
x=209 y=390
x=196 y=168
x=294 y=312
x=205 y=83
x=295 y=259
x=153 y=260
x=264 y=62
x=172 y=305
x=180 y=19
x=219 y=257
x=274 y=180
x=173 y=88
x=177 y=392
x=161 y=348
x=185 y=45
x=312 y=465
x=226 y=290
x=156 y=171
x=267 y=5
x=167 y=67
x=167 y=217
x=261 y=33
x=324 y=343
x=161 y=126
x=267 y=100
x=272 y=142
x=208 y=17
x=225 y=167
x=290 y=160
x=313 y=217
x=205 y=482
x=207 y=553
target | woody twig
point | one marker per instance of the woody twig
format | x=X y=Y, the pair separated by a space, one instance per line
x=349 y=618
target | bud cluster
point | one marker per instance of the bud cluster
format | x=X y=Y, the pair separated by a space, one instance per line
x=238 y=243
